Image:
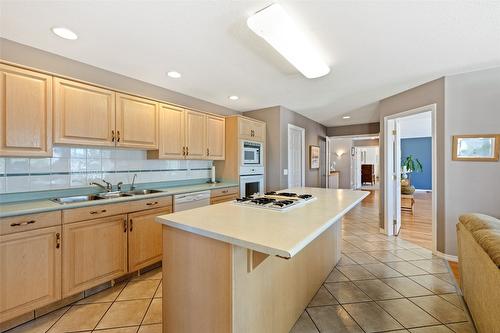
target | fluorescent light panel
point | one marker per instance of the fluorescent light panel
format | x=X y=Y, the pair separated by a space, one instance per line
x=278 y=29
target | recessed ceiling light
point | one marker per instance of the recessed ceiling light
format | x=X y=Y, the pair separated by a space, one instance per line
x=234 y=98
x=346 y=117
x=278 y=29
x=174 y=74
x=64 y=33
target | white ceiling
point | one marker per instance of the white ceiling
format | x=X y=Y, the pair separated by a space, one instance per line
x=416 y=126
x=375 y=48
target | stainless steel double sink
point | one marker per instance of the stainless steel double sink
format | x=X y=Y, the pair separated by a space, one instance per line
x=102 y=196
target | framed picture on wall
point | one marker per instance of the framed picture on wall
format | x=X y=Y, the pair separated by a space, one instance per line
x=314 y=157
x=480 y=147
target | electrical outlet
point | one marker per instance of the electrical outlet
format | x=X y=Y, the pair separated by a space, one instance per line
x=285 y=172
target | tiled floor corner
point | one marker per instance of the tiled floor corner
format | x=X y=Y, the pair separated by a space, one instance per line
x=381 y=284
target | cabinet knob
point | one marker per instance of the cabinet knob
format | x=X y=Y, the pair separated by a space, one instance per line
x=58 y=240
x=117 y=136
x=131 y=225
x=98 y=211
x=124 y=225
x=18 y=224
x=112 y=136
x=152 y=203
x=187 y=151
x=208 y=152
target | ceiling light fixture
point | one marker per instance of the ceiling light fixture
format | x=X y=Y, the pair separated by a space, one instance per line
x=278 y=29
x=233 y=97
x=174 y=74
x=346 y=117
x=64 y=33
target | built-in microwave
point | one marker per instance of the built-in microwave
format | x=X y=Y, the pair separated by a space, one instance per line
x=251 y=153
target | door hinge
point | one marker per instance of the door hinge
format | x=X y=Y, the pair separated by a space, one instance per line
x=394 y=132
x=394 y=222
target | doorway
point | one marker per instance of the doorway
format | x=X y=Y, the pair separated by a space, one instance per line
x=405 y=161
x=296 y=156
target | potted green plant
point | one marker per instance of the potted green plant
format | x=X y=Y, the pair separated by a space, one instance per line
x=409 y=164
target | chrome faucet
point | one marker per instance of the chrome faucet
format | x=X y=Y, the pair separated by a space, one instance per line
x=119 y=186
x=107 y=188
x=132 y=186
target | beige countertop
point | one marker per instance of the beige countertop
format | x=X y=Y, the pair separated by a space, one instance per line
x=46 y=205
x=277 y=233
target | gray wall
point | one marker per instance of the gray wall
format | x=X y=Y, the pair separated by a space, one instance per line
x=277 y=119
x=358 y=129
x=313 y=131
x=426 y=94
x=472 y=107
x=42 y=60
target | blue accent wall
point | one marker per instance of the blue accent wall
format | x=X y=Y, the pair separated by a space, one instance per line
x=420 y=148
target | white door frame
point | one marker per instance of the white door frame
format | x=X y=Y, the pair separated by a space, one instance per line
x=389 y=182
x=303 y=150
x=327 y=161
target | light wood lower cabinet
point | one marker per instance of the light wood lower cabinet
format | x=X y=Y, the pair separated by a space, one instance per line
x=144 y=238
x=30 y=271
x=25 y=112
x=95 y=252
x=224 y=195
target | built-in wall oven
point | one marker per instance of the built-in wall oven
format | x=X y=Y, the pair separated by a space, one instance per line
x=251 y=180
x=251 y=153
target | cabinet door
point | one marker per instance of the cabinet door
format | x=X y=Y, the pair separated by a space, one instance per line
x=25 y=112
x=144 y=238
x=136 y=122
x=195 y=126
x=253 y=130
x=172 y=135
x=216 y=135
x=30 y=271
x=95 y=252
x=83 y=114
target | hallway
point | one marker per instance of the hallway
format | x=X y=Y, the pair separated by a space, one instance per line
x=417 y=227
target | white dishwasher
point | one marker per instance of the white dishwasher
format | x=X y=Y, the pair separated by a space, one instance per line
x=191 y=200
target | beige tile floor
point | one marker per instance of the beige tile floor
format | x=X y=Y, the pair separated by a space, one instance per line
x=380 y=284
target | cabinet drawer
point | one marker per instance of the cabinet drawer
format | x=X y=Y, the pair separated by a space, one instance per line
x=224 y=191
x=223 y=198
x=93 y=212
x=98 y=211
x=137 y=205
x=14 y=224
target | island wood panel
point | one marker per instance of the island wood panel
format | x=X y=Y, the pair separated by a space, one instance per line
x=25 y=112
x=144 y=238
x=95 y=252
x=273 y=295
x=196 y=283
x=136 y=122
x=83 y=114
x=215 y=138
x=30 y=271
x=212 y=286
x=172 y=134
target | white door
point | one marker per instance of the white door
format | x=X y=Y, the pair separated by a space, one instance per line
x=393 y=175
x=296 y=156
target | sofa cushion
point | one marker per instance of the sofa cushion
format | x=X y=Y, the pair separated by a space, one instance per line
x=475 y=221
x=489 y=240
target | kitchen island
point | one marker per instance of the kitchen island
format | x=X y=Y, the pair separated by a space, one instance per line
x=233 y=268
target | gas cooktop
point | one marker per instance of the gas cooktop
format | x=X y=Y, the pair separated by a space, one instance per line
x=280 y=201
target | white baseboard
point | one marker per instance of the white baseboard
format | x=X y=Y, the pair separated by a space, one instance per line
x=448 y=257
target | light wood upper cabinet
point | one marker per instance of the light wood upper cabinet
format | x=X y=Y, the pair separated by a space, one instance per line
x=145 y=238
x=216 y=138
x=253 y=130
x=83 y=114
x=136 y=122
x=171 y=136
x=30 y=271
x=195 y=129
x=95 y=252
x=25 y=112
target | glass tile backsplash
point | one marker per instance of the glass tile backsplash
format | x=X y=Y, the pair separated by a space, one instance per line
x=72 y=167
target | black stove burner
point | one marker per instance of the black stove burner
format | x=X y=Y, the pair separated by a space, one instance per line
x=283 y=203
x=271 y=193
x=263 y=201
x=286 y=194
x=305 y=196
x=243 y=199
